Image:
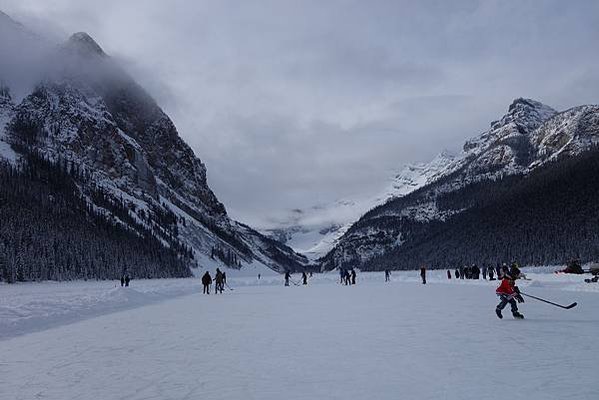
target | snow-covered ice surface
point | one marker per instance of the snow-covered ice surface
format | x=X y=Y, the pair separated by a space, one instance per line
x=324 y=341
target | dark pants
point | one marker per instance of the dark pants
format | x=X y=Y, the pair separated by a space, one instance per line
x=505 y=298
x=206 y=289
x=423 y=279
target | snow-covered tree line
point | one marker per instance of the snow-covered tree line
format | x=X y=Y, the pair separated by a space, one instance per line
x=48 y=230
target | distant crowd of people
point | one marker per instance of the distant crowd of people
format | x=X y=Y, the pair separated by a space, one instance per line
x=474 y=272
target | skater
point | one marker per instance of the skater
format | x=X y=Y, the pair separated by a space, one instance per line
x=387 y=275
x=304 y=278
x=491 y=274
x=448 y=274
x=218 y=282
x=346 y=278
x=462 y=273
x=341 y=275
x=507 y=292
x=287 y=276
x=485 y=272
x=127 y=280
x=206 y=282
x=224 y=278
x=353 y=276
x=423 y=274
x=259 y=276
x=122 y=280
x=457 y=273
x=498 y=271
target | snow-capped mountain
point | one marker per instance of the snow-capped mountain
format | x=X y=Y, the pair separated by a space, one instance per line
x=526 y=143
x=88 y=113
x=316 y=230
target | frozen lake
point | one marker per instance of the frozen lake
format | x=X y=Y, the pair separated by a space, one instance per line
x=164 y=340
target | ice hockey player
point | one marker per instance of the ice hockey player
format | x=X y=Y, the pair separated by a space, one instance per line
x=353 y=276
x=304 y=278
x=287 y=276
x=206 y=281
x=508 y=292
x=387 y=275
x=423 y=274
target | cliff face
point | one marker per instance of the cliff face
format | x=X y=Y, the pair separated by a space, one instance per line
x=89 y=114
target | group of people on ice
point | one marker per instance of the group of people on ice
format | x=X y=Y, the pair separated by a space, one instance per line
x=220 y=280
x=474 y=272
x=347 y=276
x=304 y=278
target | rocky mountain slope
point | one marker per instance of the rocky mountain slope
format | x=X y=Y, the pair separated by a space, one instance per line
x=467 y=212
x=119 y=147
x=314 y=231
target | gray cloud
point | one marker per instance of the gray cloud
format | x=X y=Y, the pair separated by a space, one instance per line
x=292 y=104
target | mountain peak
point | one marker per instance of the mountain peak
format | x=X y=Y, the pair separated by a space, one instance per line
x=84 y=44
x=522 y=106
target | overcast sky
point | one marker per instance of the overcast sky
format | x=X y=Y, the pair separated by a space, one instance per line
x=296 y=103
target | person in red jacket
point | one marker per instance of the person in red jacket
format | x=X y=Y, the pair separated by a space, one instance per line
x=508 y=292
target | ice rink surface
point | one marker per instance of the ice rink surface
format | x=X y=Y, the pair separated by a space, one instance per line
x=400 y=340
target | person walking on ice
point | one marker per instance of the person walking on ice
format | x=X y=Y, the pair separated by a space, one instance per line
x=287 y=276
x=219 y=282
x=304 y=278
x=423 y=274
x=206 y=282
x=508 y=292
x=387 y=275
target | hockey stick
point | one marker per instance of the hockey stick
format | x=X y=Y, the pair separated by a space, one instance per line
x=295 y=283
x=228 y=287
x=550 y=302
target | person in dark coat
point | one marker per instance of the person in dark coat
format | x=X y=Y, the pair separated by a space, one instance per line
x=122 y=280
x=491 y=274
x=457 y=273
x=127 y=280
x=206 y=282
x=462 y=273
x=304 y=278
x=387 y=275
x=353 y=276
x=423 y=274
x=287 y=276
x=485 y=271
x=448 y=274
x=475 y=272
x=218 y=282
x=347 y=278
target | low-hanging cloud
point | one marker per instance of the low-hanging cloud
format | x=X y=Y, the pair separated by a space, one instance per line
x=292 y=104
